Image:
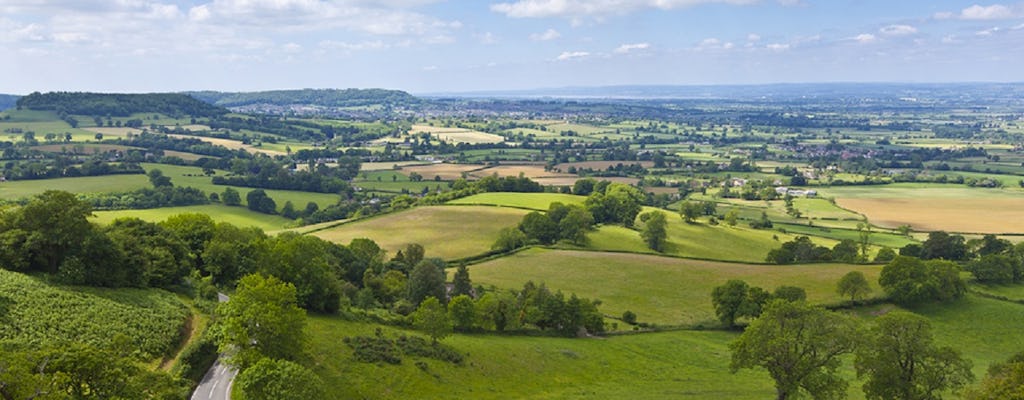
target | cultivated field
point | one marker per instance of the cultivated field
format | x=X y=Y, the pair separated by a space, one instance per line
x=114 y=132
x=449 y=232
x=571 y=179
x=232 y=144
x=448 y=172
x=674 y=291
x=600 y=165
x=977 y=215
x=381 y=166
x=457 y=135
x=529 y=171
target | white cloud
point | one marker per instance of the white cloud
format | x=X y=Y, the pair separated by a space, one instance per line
x=988 y=32
x=898 y=30
x=291 y=47
x=1018 y=27
x=995 y=11
x=549 y=34
x=487 y=38
x=572 y=55
x=753 y=37
x=595 y=8
x=631 y=47
x=864 y=38
x=777 y=46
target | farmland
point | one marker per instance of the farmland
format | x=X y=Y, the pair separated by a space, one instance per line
x=239 y=216
x=448 y=232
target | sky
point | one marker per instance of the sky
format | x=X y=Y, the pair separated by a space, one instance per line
x=437 y=46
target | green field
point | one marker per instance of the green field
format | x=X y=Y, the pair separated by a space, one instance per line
x=239 y=216
x=876 y=238
x=661 y=290
x=12 y=190
x=667 y=365
x=449 y=232
x=534 y=201
x=193 y=176
x=36 y=312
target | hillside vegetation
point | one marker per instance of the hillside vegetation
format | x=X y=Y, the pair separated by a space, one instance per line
x=118 y=104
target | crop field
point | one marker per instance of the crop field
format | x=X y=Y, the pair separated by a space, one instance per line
x=570 y=180
x=239 y=216
x=529 y=171
x=85 y=148
x=675 y=291
x=232 y=144
x=12 y=190
x=665 y=365
x=449 y=232
x=382 y=166
x=448 y=172
x=114 y=132
x=535 y=201
x=601 y=165
x=457 y=135
x=980 y=215
x=38 y=312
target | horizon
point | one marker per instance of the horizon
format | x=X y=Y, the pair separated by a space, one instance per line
x=458 y=46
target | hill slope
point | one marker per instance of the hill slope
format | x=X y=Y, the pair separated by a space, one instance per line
x=119 y=104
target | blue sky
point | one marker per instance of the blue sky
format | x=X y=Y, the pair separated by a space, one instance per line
x=465 y=45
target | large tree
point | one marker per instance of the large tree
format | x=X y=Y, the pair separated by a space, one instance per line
x=426 y=280
x=901 y=362
x=55 y=224
x=909 y=280
x=800 y=346
x=271 y=379
x=262 y=319
x=432 y=318
x=853 y=284
x=654 y=232
x=735 y=299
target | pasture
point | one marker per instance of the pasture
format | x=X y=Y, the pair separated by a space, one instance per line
x=533 y=201
x=12 y=190
x=239 y=216
x=194 y=177
x=665 y=365
x=661 y=290
x=448 y=232
x=448 y=172
x=531 y=171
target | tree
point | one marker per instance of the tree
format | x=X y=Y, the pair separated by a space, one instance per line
x=426 y=280
x=157 y=256
x=845 y=251
x=800 y=346
x=539 y=227
x=510 y=239
x=573 y=226
x=461 y=284
x=288 y=210
x=945 y=246
x=901 y=362
x=307 y=262
x=56 y=224
x=432 y=318
x=731 y=216
x=1004 y=381
x=654 y=232
x=854 y=285
x=462 y=313
x=230 y=197
x=690 y=211
x=996 y=268
x=885 y=254
x=262 y=319
x=790 y=293
x=259 y=201
x=735 y=299
x=909 y=280
x=279 y=379
x=158 y=179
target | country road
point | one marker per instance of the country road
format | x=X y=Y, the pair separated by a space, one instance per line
x=216 y=384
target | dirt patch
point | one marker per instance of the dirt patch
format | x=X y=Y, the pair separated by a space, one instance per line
x=569 y=181
x=978 y=215
x=529 y=171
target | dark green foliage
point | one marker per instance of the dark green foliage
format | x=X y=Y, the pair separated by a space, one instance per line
x=945 y=246
x=853 y=284
x=654 y=232
x=614 y=203
x=262 y=319
x=539 y=227
x=573 y=226
x=461 y=284
x=157 y=257
x=731 y=302
x=762 y=223
x=432 y=318
x=320 y=97
x=257 y=200
x=462 y=313
x=271 y=379
x=629 y=317
x=901 y=362
x=158 y=179
x=308 y=263
x=690 y=210
x=55 y=223
x=510 y=239
x=845 y=251
x=909 y=280
x=230 y=197
x=990 y=244
x=145 y=198
x=194 y=229
x=1004 y=381
x=233 y=252
x=380 y=348
x=426 y=280
x=800 y=346
x=885 y=254
x=196 y=359
x=801 y=250
x=119 y=105
x=997 y=268
x=790 y=293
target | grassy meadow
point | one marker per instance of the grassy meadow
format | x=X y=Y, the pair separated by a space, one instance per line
x=661 y=290
x=449 y=232
x=533 y=201
x=239 y=216
x=12 y=190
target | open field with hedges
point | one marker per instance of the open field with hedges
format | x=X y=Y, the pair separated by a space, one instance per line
x=534 y=201
x=449 y=232
x=239 y=216
x=660 y=290
x=12 y=190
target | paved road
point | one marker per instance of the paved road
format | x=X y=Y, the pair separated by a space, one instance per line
x=216 y=384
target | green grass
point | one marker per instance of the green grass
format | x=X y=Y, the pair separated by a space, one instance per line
x=876 y=238
x=1012 y=292
x=667 y=365
x=39 y=313
x=661 y=290
x=12 y=190
x=193 y=176
x=534 y=201
x=449 y=232
x=239 y=216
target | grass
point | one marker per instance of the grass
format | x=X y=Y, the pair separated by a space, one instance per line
x=534 y=201
x=239 y=216
x=876 y=238
x=193 y=176
x=661 y=290
x=38 y=313
x=1012 y=292
x=12 y=190
x=449 y=232
x=651 y=366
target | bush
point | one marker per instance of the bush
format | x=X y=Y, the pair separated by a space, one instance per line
x=196 y=359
